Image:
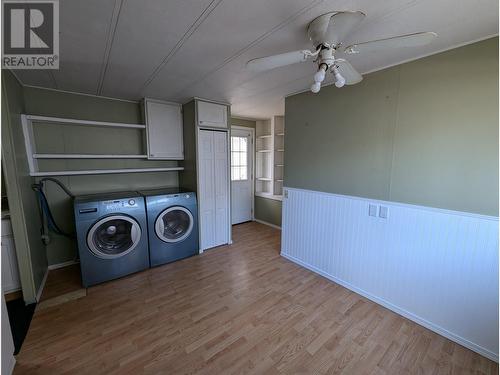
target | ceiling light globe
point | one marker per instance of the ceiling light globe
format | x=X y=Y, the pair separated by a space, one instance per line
x=315 y=87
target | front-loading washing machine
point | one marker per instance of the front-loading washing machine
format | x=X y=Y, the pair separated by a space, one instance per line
x=112 y=235
x=172 y=216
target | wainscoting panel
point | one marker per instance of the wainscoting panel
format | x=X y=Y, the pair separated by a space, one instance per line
x=438 y=268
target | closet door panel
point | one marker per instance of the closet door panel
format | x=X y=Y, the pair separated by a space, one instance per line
x=207 y=203
x=221 y=188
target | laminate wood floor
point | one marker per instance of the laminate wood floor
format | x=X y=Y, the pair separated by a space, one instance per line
x=239 y=309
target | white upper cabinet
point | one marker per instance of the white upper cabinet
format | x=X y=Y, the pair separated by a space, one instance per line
x=212 y=114
x=164 y=130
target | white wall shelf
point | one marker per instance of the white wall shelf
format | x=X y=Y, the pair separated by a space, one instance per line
x=33 y=157
x=70 y=121
x=87 y=156
x=105 y=171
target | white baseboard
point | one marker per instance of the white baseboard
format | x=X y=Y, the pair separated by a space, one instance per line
x=439 y=330
x=42 y=285
x=266 y=223
x=63 y=264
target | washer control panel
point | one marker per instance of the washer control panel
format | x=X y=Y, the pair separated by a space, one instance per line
x=120 y=204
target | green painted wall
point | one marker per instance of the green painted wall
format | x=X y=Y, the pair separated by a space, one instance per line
x=268 y=210
x=84 y=139
x=242 y=122
x=424 y=132
x=31 y=254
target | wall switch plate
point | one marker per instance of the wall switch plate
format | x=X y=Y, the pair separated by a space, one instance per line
x=383 y=212
x=372 y=210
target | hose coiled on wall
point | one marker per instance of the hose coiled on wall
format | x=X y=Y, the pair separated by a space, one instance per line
x=45 y=211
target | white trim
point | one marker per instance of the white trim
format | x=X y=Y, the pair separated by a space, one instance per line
x=62 y=265
x=78 y=93
x=61 y=120
x=407 y=60
x=252 y=134
x=105 y=171
x=433 y=327
x=406 y=205
x=267 y=223
x=42 y=285
x=12 y=364
x=29 y=142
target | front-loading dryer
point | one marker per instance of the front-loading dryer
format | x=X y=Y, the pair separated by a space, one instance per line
x=112 y=235
x=172 y=216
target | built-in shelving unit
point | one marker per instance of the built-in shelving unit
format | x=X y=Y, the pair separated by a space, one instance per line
x=279 y=149
x=29 y=139
x=269 y=157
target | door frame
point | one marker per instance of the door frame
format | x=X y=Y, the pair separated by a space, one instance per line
x=252 y=149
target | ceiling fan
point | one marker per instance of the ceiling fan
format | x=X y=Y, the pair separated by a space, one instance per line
x=327 y=33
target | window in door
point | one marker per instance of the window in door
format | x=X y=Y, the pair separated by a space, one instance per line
x=239 y=158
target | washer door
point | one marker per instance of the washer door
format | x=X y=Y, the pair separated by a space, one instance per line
x=114 y=236
x=174 y=224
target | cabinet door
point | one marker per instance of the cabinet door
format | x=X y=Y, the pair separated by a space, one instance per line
x=206 y=194
x=213 y=196
x=164 y=130
x=212 y=114
x=221 y=189
x=10 y=271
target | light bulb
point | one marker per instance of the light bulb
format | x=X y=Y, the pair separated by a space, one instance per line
x=340 y=81
x=315 y=87
x=320 y=75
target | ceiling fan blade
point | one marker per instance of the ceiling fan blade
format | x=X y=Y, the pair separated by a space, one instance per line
x=347 y=71
x=275 y=61
x=409 y=40
x=333 y=27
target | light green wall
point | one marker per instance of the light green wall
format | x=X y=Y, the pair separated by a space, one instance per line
x=83 y=139
x=242 y=122
x=31 y=254
x=268 y=210
x=425 y=132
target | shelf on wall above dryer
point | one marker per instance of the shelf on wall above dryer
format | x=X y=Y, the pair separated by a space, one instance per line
x=105 y=171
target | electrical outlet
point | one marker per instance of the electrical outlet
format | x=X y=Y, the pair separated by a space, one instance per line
x=383 y=212
x=372 y=210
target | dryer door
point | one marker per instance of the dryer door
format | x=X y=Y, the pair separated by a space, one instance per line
x=114 y=236
x=174 y=224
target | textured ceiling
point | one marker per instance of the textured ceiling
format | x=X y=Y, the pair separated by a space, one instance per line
x=177 y=49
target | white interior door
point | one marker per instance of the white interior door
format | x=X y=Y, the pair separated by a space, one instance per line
x=241 y=175
x=213 y=161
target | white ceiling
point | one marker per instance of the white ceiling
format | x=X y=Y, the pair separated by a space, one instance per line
x=177 y=49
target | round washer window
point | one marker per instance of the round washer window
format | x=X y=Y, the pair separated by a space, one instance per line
x=174 y=224
x=114 y=236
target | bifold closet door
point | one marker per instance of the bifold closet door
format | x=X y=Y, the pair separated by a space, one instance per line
x=213 y=159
